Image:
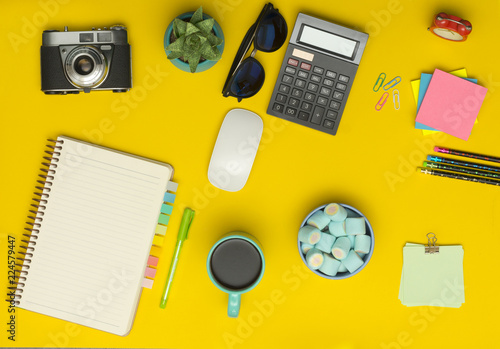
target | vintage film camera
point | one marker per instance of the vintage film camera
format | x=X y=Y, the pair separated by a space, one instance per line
x=74 y=61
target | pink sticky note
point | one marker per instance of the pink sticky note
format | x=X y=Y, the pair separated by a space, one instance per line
x=451 y=104
x=153 y=261
x=147 y=283
x=150 y=272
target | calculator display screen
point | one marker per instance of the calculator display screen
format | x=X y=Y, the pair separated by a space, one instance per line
x=326 y=41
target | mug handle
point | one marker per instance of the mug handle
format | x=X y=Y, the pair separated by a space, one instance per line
x=233 y=305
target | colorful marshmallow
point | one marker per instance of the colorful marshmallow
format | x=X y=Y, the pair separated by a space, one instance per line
x=335 y=212
x=342 y=268
x=330 y=265
x=337 y=228
x=326 y=242
x=309 y=235
x=352 y=261
x=319 y=220
x=355 y=226
x=305 y=247
x=341 y=247
x=362 y=243
x=314 y=258
x=351 y=239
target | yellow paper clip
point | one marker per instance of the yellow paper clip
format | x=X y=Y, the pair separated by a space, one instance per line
x=380 y=80
x=382 y=101
x=392 y=83
x=395 y=99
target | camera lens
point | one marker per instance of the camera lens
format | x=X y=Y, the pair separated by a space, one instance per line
x=84 y=65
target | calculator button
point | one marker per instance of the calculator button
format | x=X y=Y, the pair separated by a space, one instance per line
x=315 y=78
x=280 y=98
x=325 y=91
x=293 y=102
x=328 y=82
x=312 y=87
x=343 y=78
x=318 y=70
x=284 y=88
x=278 y=107
x=328 y=123
x=340 y=86
x=309 y=97
x=331 y=114
x=306 y=106
x=338 y=95
x=293 y=62
x=317 y=115
x=290 y=70
x=335 y=105
x=287 y=79
x=303 y=74
x=305 y=66
x=297 y=93
x=303 y=116
x=331 y=74
x=322 y=100
x=290 y=111
x=300 y=83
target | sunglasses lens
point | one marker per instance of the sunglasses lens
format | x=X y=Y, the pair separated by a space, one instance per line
x=248 y=79
x=271 y=33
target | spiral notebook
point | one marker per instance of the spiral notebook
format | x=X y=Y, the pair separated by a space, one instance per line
x=90 y=236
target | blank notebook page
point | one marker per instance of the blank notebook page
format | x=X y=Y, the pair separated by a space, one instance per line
x=95 y=236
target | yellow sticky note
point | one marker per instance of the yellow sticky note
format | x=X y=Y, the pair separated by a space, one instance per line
x=161 y=229
x=158 y=240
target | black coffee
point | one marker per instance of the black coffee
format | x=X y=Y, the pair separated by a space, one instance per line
x=236 y=264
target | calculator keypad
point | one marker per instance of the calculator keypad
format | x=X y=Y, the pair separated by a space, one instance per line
x=311 y=94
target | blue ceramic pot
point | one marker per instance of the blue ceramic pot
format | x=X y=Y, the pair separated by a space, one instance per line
x=202 y=66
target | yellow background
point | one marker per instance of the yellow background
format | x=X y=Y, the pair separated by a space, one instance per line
x=173 y=116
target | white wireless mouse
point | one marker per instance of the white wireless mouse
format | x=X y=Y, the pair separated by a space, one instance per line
x=235 y=150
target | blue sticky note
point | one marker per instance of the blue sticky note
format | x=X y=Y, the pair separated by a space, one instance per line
x=169 y=197
x=425 y=80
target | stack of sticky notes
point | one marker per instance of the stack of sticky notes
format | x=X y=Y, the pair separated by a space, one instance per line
x=447 y=102
x=432 y=279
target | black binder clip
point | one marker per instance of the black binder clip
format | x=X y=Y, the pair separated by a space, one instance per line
x=431 y=248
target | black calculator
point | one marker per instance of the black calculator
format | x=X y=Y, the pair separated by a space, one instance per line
x=317 y=73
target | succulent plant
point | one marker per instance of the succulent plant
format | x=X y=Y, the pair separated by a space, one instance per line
x=194 y=40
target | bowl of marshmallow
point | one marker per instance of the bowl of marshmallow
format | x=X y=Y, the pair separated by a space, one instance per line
x=336 y=241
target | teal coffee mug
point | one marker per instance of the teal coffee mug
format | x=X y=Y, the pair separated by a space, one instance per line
x=235 y=265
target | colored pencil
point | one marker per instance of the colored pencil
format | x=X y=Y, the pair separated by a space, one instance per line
x=461 y=170
x=466 y=154
x=462 y=163
x=458 y=176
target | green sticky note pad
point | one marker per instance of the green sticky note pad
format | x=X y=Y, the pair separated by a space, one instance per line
x=432 y=279
x=163 y=219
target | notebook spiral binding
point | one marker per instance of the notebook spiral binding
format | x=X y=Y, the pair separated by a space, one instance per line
x=26 y=250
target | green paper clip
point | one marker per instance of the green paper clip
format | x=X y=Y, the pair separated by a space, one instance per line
x=381 y=80
x=392 y=83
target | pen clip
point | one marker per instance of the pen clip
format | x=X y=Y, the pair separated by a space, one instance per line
x=187 y=219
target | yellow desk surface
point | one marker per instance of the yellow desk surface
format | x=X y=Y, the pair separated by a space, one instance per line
x=173 y=116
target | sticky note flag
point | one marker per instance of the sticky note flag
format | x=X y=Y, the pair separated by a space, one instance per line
x=451 y=104
x=153 y=261
x=147 y=283
x=150 y=272
x=158 y=240
x=160 y=230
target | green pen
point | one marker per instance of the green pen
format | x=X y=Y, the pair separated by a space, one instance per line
x=187 y=218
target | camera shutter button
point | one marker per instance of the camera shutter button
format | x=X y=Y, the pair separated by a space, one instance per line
x=106 y=47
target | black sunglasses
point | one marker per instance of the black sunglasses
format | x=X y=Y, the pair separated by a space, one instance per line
x=267 y=34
